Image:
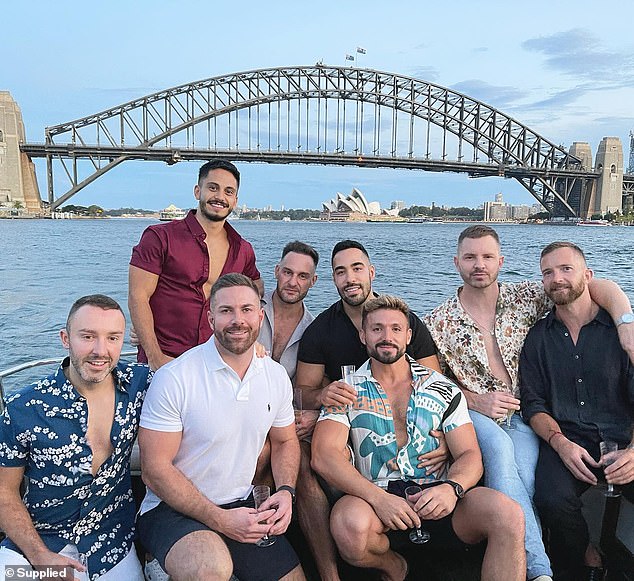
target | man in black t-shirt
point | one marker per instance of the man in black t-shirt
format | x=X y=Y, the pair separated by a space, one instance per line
x=332 y=339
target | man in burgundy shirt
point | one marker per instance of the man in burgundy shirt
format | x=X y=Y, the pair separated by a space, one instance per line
x=175 y=264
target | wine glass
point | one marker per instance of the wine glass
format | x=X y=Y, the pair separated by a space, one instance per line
x=608 y=457
x=347 y=376
x=260 y=495
x=417 y=535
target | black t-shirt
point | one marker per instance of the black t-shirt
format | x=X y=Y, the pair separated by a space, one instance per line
x=332 y=340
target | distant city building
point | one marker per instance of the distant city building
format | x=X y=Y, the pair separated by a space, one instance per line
x=497 y=211
x=397 y=205
x=520 y=213
x=351 y=207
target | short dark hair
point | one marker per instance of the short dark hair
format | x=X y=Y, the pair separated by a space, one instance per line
x=218 y=164
x=301 y=248
x=232 y=279
x=561 y=244
x=478 y=231
x=345 y=245
x=100 y=301
x=384 y=302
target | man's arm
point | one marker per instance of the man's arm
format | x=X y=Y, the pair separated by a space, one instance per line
x=330 y=460
x=311 y=377
x=16 y=522
x=431 y=362
x=141 y=287
x=285 y=455
x=608 y=294
x=494 y=404
x=576 y=458
x=439 y=501
x=158 y=450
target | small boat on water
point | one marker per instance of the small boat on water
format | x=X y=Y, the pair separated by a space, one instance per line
x=593 y=223
x=172 y=213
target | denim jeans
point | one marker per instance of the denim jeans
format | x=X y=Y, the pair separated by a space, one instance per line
x=510 y=457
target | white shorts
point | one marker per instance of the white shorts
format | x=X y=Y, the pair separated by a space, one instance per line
x=128 y=568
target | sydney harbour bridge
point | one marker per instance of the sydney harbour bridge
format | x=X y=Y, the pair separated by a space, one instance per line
x=328 y=116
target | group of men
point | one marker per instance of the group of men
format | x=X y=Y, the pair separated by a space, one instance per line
x=512 y=386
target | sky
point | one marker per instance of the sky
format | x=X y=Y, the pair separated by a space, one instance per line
x=564 y=70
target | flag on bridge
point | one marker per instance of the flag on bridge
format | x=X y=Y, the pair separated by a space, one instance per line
x=349 y=57
x=360 y=50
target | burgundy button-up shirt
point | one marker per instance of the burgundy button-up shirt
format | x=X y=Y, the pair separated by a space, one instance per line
x=176 y=252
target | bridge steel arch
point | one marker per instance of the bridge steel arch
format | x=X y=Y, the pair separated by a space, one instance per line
x=317 y=115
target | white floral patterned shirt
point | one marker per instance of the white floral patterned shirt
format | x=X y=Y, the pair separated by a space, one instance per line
x=43 y=430
x=460 y=343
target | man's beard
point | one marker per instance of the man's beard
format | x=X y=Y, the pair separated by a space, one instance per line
x=211 y=216
x=570 y=293
x=386 y=357
x=237 y=345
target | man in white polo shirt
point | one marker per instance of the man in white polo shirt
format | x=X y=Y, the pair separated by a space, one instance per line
x=206 y=418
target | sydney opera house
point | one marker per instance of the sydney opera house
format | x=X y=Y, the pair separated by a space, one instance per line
x=353 y=207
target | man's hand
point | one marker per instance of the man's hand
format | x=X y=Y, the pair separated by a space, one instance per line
x=338 y=393
x=436 y=502
x=495 y=404
x=134 y=338
x=626 y=338
x=282 y=504
x=435 y=461
x=395 y=513
x=243 y=524
x=622 y=470
x=51 y=559
x=260 y=350
x=576 y=458
x=305 y=423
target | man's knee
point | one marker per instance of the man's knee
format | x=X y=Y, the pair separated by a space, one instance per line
x=350 y=527
x=199 y=556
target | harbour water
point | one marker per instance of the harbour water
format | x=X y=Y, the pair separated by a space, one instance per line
x=45 y=265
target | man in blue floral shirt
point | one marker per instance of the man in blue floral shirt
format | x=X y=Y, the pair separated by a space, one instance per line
x=71 y=435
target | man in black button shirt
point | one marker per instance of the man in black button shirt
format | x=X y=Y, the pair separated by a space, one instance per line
x=577 y=389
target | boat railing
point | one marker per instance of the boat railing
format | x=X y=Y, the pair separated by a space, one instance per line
x=37 y=363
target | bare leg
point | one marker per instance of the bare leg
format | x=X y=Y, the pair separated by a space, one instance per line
x=199 y=556
x=296 y=574
x=487 y=514
x=361 y=539
x=313 y=512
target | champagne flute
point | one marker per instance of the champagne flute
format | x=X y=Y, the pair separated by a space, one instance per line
x=260 y=495
x=608 y=450
x=418 y=536
x=347 y=376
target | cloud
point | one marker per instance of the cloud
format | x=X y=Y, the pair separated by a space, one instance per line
x=559 y=99
x=480 y=49
x=579 y=53
x=499 y=96
x=424 y=73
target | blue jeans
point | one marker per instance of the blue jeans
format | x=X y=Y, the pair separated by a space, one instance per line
x=510 y=457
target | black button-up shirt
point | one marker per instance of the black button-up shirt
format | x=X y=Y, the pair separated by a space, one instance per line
x=588 y=388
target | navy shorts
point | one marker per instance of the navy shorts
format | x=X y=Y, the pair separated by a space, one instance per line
x=162 y=527
x=441 y=531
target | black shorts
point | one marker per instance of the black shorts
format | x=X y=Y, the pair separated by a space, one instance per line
x=441 y=531
x=160 y=529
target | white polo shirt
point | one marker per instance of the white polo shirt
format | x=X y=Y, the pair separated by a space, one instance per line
x=224 y=421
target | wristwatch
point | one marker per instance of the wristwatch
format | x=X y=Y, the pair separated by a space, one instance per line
x=625 y=319
x=288 y=489
x=457 y=488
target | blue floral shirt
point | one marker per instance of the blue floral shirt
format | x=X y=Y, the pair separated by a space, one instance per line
x=43 y=430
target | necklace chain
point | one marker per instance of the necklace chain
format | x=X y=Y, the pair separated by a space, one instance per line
x=480 y=325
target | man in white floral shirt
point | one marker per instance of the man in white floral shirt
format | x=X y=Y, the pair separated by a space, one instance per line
x=479 y=333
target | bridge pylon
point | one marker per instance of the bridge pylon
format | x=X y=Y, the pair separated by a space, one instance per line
x=18 y=182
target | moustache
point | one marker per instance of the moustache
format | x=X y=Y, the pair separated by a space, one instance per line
x=221 y=202
x=386 y=344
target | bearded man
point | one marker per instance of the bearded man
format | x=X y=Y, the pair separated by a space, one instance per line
x=577 y=390
x=203 y=427
x=174 y=266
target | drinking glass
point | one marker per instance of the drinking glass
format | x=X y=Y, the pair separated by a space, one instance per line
x=608 y=457
x=347 y=376
x=417 y=535
x=509 y=415
x=260 y=495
